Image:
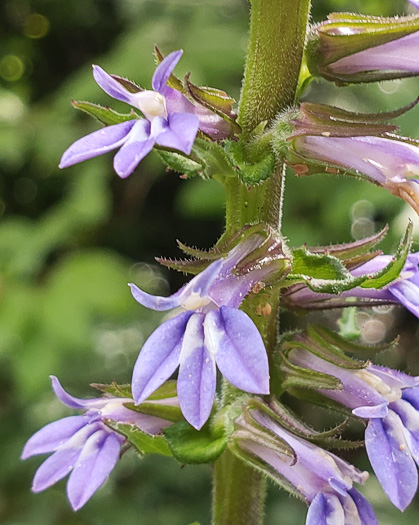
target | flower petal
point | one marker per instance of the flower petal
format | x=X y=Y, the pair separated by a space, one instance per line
x=368 y=412
x=181 y=132
x=54 y=468
x=389 y=455
x=97 y=143
x=197 y=374
x=111 y=86
x=137 y=145
x=407 y=294
x=53 y=435
x=325 y=508
x=232 y=337
x=74 y=402
x=365 y=510
x=156 y=302
x=164 y=70
x=95 y=463
x=159 y=357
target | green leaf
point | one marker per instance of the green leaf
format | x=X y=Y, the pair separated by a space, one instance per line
x=104 y=115
x=180 y=163
x=168 y=412
x=308 y=265
x=189 y=445
x=143 y=442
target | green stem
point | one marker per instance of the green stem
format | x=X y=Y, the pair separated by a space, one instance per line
x=277 y=35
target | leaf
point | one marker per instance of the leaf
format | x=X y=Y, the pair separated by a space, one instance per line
x=195 y=446
x=143 y=442
x=180 y=163
x=103 y=114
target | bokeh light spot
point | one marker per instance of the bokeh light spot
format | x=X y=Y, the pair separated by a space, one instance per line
x=11 y=68
x=36 y=26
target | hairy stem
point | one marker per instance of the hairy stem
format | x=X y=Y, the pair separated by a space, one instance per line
x=276 y=41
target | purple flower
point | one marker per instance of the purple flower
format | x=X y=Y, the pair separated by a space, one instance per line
x=84 y=446
x=390 y=401
x=322 y=479
x=170 y=121
x=211 y=330
x=360 y=49
x=386 y=161
x=403 y=290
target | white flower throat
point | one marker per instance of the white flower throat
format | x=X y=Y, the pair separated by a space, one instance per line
x=151 y=104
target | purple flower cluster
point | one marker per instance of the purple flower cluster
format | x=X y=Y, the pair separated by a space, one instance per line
x=84 y=446
x=389 y=400
x=322 y=479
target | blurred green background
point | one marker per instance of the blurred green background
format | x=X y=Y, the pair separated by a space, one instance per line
x=70 y=240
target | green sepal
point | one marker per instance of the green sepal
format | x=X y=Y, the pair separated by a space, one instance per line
x=143 y=442
x=227 y=243
x=316 y=398
x=330 y=121
x=213 y=158
x=114 y=389
x=216 y=101
x=328 y=438
x=291 y=376
x=166 y=390
x=180 y=163
x=393 y=269
x=251 y=172
x=167 y=412
x=192 y=446
x=257 y=463
x=351 y=250
x=183 y=265
x=103 y=114
x=334 y=340
x=129 y=85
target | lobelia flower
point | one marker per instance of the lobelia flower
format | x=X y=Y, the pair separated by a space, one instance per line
x=84 y=446
x=211 y=330
x=385 y=161
x=389 y=400
x=171 y=120
x=348 y=48
x=322 y=479
x=404 y=290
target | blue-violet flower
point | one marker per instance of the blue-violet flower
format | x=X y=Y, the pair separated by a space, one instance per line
x=171 y=120
x=390 y=401
x=84 y=446
x=322 y=479
x=211 y=330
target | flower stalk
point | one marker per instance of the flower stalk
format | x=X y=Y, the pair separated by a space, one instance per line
x=277 y=36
